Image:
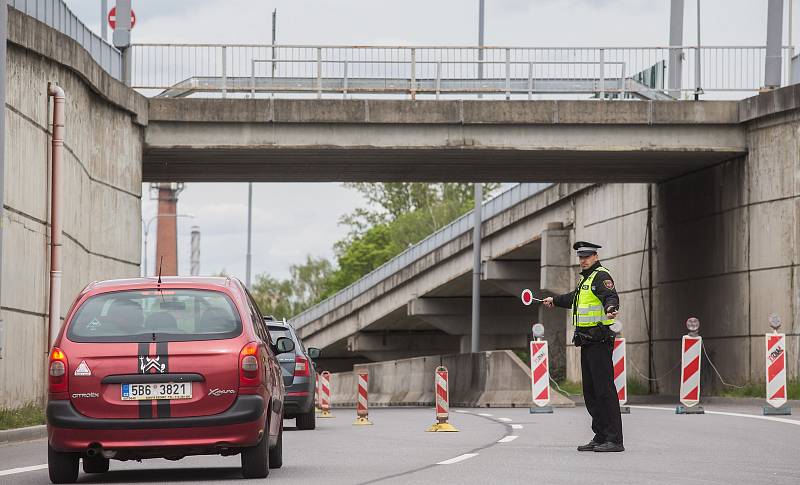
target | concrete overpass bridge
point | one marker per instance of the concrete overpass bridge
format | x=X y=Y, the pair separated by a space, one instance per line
x=292 y=140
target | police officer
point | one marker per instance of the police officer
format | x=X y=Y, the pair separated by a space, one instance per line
x=594 y=305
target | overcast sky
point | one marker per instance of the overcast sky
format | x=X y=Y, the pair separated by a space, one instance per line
x=293 y=220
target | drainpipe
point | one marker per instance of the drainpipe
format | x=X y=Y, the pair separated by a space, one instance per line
x=56 y=215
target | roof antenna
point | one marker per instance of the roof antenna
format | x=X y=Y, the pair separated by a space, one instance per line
x=160 y=263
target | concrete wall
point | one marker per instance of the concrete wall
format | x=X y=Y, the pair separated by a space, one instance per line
x=485 y=379
x=615 y=216
x=729 y=239
x=102 y=191
x=726 y=249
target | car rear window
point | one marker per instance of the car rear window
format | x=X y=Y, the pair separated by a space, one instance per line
x=155 y=315
x=277 y=332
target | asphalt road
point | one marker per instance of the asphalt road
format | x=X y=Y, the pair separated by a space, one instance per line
x=504 y=446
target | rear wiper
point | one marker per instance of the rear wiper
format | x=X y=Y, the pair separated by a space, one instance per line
x=154 y=336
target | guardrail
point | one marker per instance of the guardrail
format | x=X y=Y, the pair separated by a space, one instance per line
x=56 y=14
x=250 y=70
x=462 y=225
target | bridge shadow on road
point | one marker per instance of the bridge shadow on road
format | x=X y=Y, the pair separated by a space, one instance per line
x=161 y=475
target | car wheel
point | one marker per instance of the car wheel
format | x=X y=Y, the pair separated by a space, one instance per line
x=96 y=464
x=307 y=421
x=276 y=452
x=62 y=467
x=255 y=459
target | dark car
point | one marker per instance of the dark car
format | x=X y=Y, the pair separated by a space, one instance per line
x=146 y=368
x=299 y=376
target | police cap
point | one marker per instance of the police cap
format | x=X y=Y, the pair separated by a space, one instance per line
x=585 y=248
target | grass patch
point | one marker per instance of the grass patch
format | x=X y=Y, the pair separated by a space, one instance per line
x=637 y=388
x=571 y=387
x=29 y=415
x=757 y=389
x=750 y=389
x=524 y=355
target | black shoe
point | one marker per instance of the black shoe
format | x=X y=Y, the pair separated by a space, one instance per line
x=609 y=447
x=590 y=446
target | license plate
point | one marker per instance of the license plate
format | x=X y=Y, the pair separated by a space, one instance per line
x=160 y=390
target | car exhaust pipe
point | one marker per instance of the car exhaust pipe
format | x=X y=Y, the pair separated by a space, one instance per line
x=94 y=451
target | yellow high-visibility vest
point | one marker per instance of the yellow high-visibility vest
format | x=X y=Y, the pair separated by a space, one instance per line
x=589 y=311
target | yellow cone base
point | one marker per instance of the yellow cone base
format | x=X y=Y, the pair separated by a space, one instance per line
x=362 y=421
x=442 y=427
x=325 y=414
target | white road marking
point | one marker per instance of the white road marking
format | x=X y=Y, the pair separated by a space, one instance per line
x=722 y=413
x=505 y=420
x=516 y=426
x=14 y=471
x=461 y=411
x=486 y=415
x=508 y=438
x=465 y=456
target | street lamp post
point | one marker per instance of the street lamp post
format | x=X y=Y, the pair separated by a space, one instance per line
x=146 y=227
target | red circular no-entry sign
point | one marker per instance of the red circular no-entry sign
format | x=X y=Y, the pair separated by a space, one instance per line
x=112 y=18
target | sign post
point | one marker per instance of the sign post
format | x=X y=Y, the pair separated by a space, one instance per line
x=112 y=18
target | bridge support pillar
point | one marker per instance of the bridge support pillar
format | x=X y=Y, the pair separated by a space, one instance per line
x=556 y=279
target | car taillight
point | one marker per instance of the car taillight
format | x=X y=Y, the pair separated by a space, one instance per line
x=301 y=367
x=58 y=371
x=248 y=365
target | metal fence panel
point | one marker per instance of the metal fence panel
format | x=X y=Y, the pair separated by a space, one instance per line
x=258 y=70
x=56 y=14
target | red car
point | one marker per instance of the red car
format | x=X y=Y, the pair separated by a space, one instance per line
x=147 y=368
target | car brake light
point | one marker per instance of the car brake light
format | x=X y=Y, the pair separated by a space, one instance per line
x=58 y=371
x=248 y=365
x=301 y=367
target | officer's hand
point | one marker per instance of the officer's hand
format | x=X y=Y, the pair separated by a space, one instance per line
x=548 y=302
x=611 y=315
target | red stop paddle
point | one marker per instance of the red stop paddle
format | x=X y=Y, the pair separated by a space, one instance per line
x=527 y=297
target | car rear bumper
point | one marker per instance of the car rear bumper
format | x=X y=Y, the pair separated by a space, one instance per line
x=297 y=404
x=241 y=425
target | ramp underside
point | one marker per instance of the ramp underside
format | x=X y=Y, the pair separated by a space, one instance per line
x=342 y=164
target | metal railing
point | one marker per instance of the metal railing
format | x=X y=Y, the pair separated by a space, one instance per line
x=460 y=226
x=250 y=70
x=56 y=14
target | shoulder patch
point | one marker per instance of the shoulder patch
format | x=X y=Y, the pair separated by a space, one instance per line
x=609 y=283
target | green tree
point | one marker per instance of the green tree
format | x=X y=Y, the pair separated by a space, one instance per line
x=306 y=286
x=400 y=214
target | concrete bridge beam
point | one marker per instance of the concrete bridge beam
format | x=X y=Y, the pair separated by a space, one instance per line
x=512 y=276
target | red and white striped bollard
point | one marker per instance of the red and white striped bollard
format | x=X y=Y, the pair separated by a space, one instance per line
x=540 y=372
x=442 y=401
x=620 y=373
x=691 y=351
x=776 y=370
x=362 y=403
x=316 y=393
x=325 y=394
